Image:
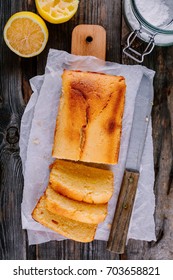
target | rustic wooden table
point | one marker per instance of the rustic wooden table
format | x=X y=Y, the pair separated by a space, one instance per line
x=14 y=95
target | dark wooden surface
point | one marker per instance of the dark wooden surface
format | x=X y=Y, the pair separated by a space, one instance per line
x=14 y=95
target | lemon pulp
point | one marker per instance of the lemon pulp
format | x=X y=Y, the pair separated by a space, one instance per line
x=57 y=11
x=26 y=34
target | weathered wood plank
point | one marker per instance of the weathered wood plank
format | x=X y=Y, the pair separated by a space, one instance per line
x=70 y=250
x=11 y=185
x=12 y=238
x=162 y=120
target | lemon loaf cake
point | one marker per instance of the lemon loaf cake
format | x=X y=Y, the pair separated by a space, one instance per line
x=71 y=229
x=75 y=210
x=89 y=120
x=80 y=182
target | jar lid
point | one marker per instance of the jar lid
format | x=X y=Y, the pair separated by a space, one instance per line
x=158 y=14
x=150 y=21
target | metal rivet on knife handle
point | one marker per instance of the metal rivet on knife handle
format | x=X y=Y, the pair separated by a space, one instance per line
x=131 y=180
x=120 y=224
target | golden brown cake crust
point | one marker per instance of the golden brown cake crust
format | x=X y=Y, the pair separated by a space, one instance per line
x=89 y=121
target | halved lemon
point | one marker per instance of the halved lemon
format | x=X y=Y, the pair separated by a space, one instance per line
x=26 y=34
x=57 y=11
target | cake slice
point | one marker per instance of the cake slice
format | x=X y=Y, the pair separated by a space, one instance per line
x=89 y=121
x=75 y=210
x=80 y=182
x=71 y=229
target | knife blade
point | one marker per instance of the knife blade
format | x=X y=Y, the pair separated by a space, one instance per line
x=141 y=117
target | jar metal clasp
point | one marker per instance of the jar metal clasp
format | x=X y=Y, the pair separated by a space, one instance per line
x=134 y=54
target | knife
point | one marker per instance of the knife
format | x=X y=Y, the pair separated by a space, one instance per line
x=143 y=106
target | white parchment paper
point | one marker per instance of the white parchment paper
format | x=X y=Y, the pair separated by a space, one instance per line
x=36 y=140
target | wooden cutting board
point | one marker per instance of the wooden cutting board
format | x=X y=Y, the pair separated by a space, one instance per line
x=89 y=40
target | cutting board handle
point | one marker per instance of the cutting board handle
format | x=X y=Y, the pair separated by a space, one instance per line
x=88 y=39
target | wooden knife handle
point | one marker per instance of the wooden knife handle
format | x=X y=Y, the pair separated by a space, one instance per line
x=121 y=220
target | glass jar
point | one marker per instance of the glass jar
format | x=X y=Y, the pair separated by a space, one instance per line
x=151 y=21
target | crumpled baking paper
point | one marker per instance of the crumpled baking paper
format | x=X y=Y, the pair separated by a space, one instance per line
x=36 y=141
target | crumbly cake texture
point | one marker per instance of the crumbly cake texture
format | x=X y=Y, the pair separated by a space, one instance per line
x=81 y=182
x=75 y=210
x=71 y=229
x=89 y=121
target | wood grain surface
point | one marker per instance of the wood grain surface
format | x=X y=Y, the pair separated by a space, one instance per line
x=15 y=92
x=120 y=224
